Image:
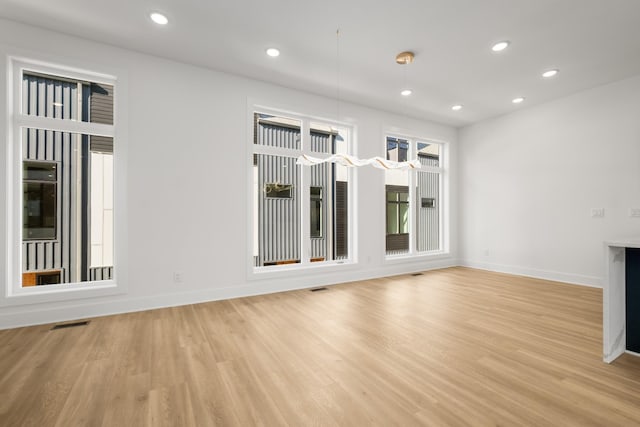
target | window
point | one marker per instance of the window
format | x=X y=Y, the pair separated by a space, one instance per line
x=428 y=202
x=40 y=184
x=64 y=128
x=413 y=217
x=278 y=191
x=397 y=210
x=300 y=214
x=316 y=212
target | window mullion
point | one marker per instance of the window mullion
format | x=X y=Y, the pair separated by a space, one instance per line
x=60 y=125
x=305 y=193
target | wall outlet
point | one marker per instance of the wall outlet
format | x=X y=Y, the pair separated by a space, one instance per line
x=634 y=212
x=597 y=212
x=486 y=252
x=177 y=277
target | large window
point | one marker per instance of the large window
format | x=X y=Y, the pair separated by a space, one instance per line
x=63 y=150
x=413 y=198
x=300 y=214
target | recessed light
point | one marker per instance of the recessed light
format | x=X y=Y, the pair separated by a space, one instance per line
x=517 y=100
x=457 y=107
x=273 y=52
x=549 y=73
x=406 y=92
x=159 y=18
x=500 y=46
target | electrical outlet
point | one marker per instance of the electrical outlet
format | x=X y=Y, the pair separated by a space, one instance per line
x=597 y=212
x=486 y=252
x=177 y=277
x=634 y=212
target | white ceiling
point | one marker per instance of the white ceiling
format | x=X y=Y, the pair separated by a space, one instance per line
x=592 y=42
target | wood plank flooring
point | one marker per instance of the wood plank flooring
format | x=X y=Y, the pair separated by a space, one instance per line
x=450 y=347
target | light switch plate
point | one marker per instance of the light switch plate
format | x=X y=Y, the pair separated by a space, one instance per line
x=597 y=212
x=634 y=212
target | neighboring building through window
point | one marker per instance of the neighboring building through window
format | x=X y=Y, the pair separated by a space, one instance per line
x=412 y=198
x=300 y=213
x=67 y=179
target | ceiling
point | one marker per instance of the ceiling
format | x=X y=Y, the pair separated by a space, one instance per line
x=591 y=42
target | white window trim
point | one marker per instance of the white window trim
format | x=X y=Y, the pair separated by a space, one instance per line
x=292 y=270
x=14 y=293
x=443 y=204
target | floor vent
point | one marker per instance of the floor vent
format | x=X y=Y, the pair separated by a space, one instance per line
x=70 y=325
x=416 y=274
x=318 y=289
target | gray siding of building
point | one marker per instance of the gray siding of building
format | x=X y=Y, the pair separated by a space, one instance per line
x=428 y=219
x=101 y=111
x=279 y=218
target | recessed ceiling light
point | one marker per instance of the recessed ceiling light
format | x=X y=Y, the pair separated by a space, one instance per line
x=500 y=46
x=273 y=52
x=517 y=100
x=159 y=18
x=457 y=107
x=549 y=73
x=406 y=92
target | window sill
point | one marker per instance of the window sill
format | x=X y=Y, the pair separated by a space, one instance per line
x=423 y=256
x=293 y=270
x=61 y=292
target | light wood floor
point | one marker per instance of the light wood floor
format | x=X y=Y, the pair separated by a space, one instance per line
x=450 y=347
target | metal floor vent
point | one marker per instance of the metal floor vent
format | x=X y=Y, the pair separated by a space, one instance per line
x=416 y=274
x=71 y=325
x=318 y=289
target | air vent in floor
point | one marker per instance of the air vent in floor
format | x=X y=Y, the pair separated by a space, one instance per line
x=71 y=325
x=318 y=289
x=416 y=274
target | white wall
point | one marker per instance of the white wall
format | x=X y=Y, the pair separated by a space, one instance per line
x=528 y=182
x=183 y=213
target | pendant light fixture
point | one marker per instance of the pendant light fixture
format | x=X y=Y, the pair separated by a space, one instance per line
x=405 y=58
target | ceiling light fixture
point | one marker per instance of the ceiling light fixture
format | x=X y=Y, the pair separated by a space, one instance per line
x=457 y=107
x=406 y=92
x=405 y=58
x=549 y=73
x=518 y=100
x=159 y=18
x=500 y=46
x=273 y=52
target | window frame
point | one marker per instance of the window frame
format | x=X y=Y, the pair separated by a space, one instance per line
x=14 y=293
x=414 y=203
x=306 y=261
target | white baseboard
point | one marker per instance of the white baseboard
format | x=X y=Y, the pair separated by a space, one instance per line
x=575 y=279
x=83 y=309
